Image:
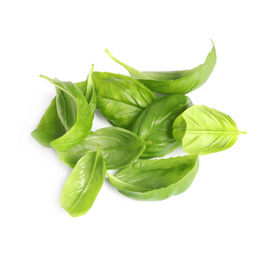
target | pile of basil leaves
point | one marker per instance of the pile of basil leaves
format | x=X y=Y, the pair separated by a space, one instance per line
x=144 y=127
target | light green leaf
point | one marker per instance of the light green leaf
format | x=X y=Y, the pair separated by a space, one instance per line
x=204 y=130
x=156 y=179
x=174 y=82
x=83 y=184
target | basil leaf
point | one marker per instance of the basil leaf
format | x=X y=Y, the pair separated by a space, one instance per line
x=174 y=82
x=156 y=179
x=83 y=184
x=90 y=92
x=50 y=126
x=83 y=124
x=204 y=130
x=119 y=147
x=121 y=99
x=155 y=124
x=66 y=108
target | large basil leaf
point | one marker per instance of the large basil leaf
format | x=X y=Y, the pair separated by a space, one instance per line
x=119 y=147
x=121 y=99
x=50 y=126
x=83 y=184
x=155 y=124
x=156 y=179
x=204 y=130
x=174 y=82
x=83 y=124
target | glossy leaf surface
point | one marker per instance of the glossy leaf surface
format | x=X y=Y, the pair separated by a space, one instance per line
x=204 y=130
x=83 y=184
x=119 y=147
x=155 y=124
x=174 y=82
x=156 y=179
x=121 y=99
x=83 y=124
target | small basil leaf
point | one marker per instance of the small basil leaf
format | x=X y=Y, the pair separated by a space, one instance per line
x=174 y=82
x=83 y=124
x=204 y=130
x=155 y=124
x=156 y=179
x=83 y=184
x=120 y=98
x=119 y=147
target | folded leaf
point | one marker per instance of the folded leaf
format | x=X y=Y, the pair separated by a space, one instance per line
x=155 y=124
x=66 y=108
x=119 y=147
x=120 y=98
x=204 y=130
x=174 y=82
x=156 y=179
x=83 y=184
x=82 y=127
x=90 y=92
x=50 y=126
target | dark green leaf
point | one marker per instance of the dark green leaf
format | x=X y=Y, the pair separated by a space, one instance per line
x=121 y=99
x=155 y=124
x=119 y=147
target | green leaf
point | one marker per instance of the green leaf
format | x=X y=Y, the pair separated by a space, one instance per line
x=204 y=130
x=82 y=127
x=120 y=98
x=119 y=147
x=156 y=179
x=50 y=126
x=83 y=184
x=66 y=108
x=90 y=92
x=174 y=82
x=155 y=124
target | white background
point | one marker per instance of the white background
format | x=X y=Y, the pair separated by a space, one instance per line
x=217 y=218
